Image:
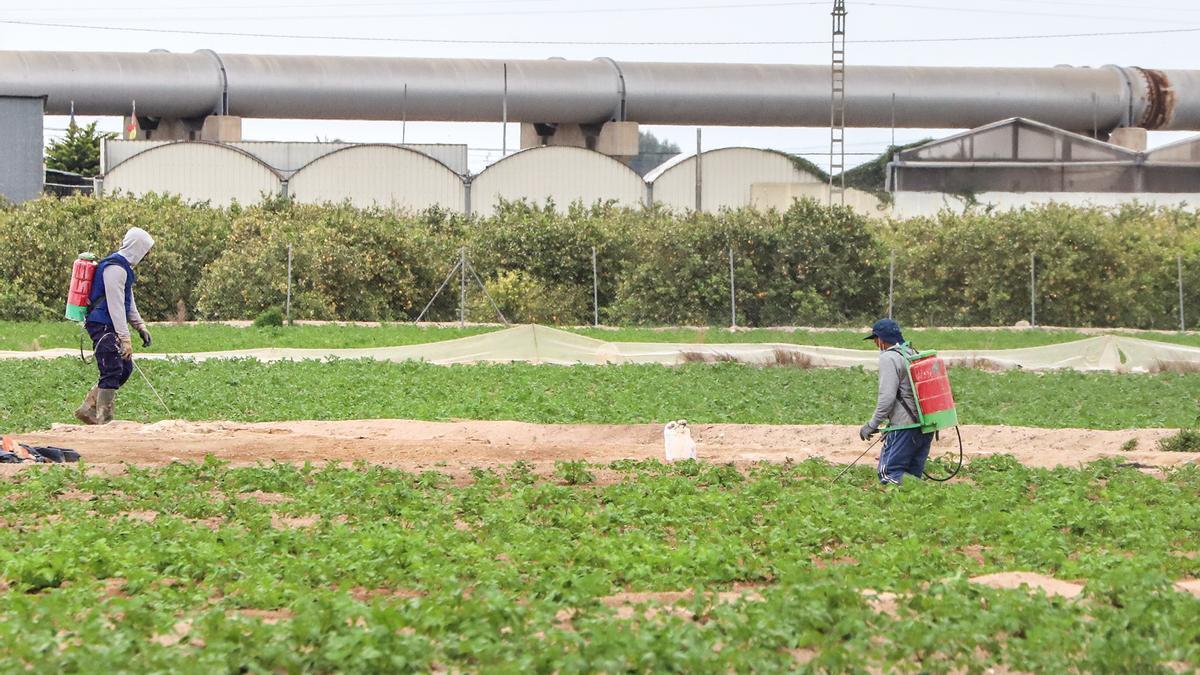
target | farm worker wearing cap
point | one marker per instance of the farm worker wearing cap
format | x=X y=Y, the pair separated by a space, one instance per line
x=905 y=448
x=112 y=310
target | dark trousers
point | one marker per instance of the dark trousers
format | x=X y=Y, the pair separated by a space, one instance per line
x=904 y=452
x=114 y=370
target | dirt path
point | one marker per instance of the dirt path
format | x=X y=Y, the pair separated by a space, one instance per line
x=457 y=446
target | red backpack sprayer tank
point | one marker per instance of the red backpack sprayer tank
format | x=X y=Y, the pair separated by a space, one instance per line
x=936 y=412
x=82 y=274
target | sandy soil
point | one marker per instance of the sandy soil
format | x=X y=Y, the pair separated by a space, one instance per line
x=457 y=446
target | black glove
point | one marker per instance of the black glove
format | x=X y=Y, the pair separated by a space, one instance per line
x=145 y=333
x=867 y=431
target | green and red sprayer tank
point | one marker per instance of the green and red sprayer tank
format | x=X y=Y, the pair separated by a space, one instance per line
x=931 y=387
x=82 y=274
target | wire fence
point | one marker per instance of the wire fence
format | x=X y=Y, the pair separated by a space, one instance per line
x=468 y=280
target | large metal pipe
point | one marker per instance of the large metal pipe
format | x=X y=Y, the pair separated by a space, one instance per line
x=584 y=92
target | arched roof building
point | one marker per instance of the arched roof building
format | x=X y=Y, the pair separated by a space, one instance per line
x=379 y=175
x=728 y=178
x=564 y=175
x=197 y=171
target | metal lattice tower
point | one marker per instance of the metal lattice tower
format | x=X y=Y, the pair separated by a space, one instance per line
x=837 y=107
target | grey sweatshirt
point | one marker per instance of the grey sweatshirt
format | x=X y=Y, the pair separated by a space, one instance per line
x=136 y=244
x=894 y=384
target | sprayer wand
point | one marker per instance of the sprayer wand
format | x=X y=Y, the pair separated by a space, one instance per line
x=851 y=464
x=151 y=385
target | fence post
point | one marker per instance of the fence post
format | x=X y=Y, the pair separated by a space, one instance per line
x=732 y=293
x=1179 y=267
x=288 y=310
x=595 y=290
x=462 y=287
x=891 y=281
x=1032 y=289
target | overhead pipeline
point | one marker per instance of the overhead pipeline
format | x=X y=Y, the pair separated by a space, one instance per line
x=167 y=85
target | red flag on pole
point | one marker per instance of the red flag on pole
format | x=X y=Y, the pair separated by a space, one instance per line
x=131 y=129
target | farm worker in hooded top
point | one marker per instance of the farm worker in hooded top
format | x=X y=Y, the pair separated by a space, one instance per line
x=112 y=310
x=905 y=448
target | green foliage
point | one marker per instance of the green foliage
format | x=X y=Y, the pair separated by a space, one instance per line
x=1186 y=440
x=808 y=166
x=574 y=472
x=523 y=298
x=809 y=265
x=1094 y=268
x=872 y=176
x=187 y=568
x=652 y=152
x=40 y=240
x=347 y=264
x=36 y=393
x=20 y=304
x=271 y=317
x=78 y=151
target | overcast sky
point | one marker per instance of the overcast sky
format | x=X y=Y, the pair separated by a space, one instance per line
x=651 y=21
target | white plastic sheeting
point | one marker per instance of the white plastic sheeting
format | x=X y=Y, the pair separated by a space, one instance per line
x=542 y=345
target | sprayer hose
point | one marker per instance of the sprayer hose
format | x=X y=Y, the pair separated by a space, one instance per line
x=956 y=468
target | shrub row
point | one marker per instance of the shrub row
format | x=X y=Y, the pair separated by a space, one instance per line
x=808 y=266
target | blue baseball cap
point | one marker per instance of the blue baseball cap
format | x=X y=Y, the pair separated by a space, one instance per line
x=886 y=330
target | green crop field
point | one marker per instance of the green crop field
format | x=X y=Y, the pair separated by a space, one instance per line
x=687 y=568
x=633 y=566
x=34 y=394
x=24 y=336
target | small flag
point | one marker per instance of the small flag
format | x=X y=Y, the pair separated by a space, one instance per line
x=131 y=129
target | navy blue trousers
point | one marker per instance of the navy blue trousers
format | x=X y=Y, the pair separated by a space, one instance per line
x=905 y=451
x=114 y=370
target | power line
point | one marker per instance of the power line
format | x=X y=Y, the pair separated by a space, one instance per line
x=290 y=6
x=643 y=9
x=1092 y=5
x=506 y=12
x=592 y=43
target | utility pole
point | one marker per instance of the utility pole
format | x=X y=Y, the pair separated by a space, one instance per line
x=837 y=107
x=1033 y=289
x=1179 y=267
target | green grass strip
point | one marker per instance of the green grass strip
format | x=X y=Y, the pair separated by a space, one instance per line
x=34 y=394
x=25 y=336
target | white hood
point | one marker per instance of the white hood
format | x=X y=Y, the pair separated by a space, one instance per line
x=136 y=245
